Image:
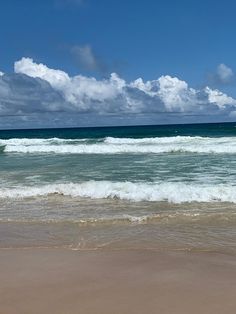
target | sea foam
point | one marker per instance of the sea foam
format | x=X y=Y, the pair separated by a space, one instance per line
x=174 y=192
x=111 y=145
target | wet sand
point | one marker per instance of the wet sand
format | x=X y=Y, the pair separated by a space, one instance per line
x=144 y=281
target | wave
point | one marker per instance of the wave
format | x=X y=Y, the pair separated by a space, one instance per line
x=154 y=140
x=111 y=145
x=173 y=192
x=39 y=141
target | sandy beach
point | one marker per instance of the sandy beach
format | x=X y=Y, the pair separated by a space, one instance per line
x=117 y=157
x=143 y=281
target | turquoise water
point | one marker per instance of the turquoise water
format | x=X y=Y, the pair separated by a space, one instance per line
x=159 y=184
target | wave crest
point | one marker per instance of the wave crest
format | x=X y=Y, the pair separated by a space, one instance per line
x=172 y=192
x=111 y=145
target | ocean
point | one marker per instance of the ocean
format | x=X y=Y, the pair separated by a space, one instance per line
x=162 y=187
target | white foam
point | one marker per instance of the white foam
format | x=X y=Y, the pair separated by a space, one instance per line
x=38 y=141
x=174 y=192
x=137 y=219
x=123 y=145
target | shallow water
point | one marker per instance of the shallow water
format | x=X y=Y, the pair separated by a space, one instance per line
x=116 y=187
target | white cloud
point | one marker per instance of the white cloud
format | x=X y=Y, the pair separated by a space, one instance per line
x=148 y=87
x=176 y=94
x=79 y=90
x=57 y=78
x=219 y=98
x=1 y=73
x=37 y=88
x=224 y=73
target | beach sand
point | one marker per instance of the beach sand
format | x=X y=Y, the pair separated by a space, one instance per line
x=143 y=281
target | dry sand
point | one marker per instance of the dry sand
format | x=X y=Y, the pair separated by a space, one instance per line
x=65 y=281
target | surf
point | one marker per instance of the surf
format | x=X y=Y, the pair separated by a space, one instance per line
x=112 y=145
x=172 y=192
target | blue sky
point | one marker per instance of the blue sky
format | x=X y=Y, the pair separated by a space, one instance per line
x=191 y=40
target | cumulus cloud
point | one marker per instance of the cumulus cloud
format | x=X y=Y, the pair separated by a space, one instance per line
x=56 y=78
x=219 y=98
x=80 y=92
x=39 y=93
x=21 y=95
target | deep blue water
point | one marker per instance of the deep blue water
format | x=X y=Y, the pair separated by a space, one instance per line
x=207 y=129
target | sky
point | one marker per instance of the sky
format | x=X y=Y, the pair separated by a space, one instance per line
x=67 y=63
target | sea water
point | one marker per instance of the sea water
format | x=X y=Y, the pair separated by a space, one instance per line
x=145 y=186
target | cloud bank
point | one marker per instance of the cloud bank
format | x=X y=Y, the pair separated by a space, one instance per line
x=37 y=96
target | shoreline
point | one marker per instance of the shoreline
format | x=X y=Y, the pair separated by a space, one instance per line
x=40 y=280
x=189 y=237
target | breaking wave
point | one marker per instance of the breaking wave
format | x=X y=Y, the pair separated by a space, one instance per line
x=173 y=192
x=111 y=145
